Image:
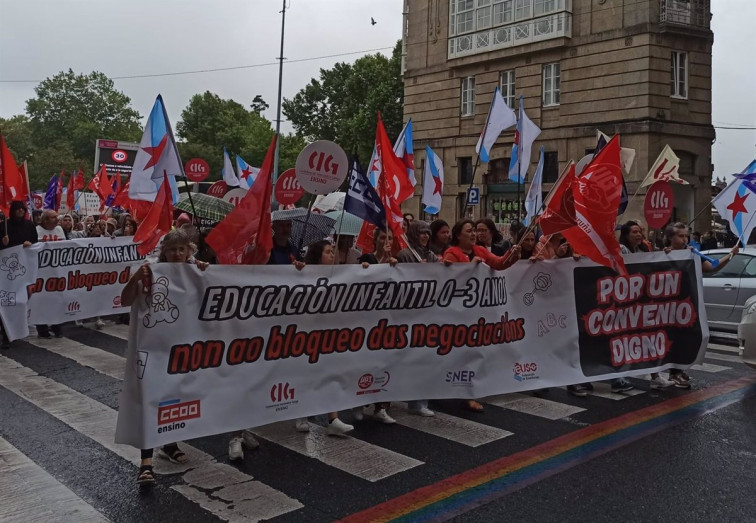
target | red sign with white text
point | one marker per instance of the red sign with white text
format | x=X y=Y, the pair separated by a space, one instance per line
x=218 y=189
x=657 y=209
x=197 y=170
x=288 y=189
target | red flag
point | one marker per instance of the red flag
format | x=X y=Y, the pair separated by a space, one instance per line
x=249 y=223
x=559 y=213
x=101 y=185
x=24 y=180
x=121 y=198
x=597 y=193
x=11 y=183
x=365 y=239
x=158 y=221
x=70 y=198
x=79 y=181
x=394 y=185
x=59 y=191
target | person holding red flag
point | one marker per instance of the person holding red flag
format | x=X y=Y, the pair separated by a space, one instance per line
x=158 y=220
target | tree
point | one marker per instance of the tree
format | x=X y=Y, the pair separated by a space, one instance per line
x=343 y=104
x=71 y=111
x=210 y=123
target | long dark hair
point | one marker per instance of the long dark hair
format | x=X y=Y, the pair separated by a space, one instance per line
x=457 y=229
x=435 y=226
x=315 y=252
x=496 y=236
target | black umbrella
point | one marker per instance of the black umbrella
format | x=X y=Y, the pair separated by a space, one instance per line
x=306 y=227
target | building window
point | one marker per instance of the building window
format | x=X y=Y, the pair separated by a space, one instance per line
x=468 y=96
x=550 y=166
x=541 y=7
x=522 y=9
x=461 y=19
x=465 y=170
x=507 y=86
x=679 y=78
x=503 y=12
x=551 y=84
x=483 y=14
x=498 y=171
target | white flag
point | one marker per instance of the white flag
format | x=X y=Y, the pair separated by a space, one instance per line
x=664 y=169
x=526 y=134
x=500 y=117
x=229 y=176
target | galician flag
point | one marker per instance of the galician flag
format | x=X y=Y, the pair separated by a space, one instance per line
x=247 y=173
x=500 y=117
x=737 y=203
x=433 y=182
x=404 y=150
x=157 y=155
x=229 y=175
x=534 y=199
x=526 y=134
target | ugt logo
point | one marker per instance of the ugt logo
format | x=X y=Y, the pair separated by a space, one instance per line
x=281 y=392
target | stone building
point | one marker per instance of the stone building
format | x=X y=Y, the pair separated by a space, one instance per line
x=640 y=68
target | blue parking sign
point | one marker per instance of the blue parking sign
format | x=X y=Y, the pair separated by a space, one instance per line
x=473 y=196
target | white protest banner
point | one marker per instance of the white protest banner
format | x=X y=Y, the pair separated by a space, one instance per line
x=78 y=279
x=17 y=269
x=288 y=344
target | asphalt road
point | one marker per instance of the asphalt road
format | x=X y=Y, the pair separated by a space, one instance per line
x=645 y=455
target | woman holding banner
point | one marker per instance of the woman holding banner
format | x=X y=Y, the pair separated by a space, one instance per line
x=175 y=248
x=464 y=250
x=383 y=242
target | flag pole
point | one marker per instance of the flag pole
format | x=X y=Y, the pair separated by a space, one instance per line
x=307 y=221
x=472 y=182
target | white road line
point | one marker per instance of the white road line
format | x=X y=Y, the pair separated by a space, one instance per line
x=28 y=493
x=117 y=330
x=723 y=357
x=709 y=367
x=459 y=430
x=353 y=456
x=726 y=348
x=540 y=407
x=97 y=422
x=102 y=361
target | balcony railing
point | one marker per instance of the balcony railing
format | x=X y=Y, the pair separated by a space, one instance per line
x=695 y=13
x=545 y=28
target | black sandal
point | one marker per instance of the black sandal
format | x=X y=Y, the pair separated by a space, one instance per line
x=146 y=477
x=173 y=454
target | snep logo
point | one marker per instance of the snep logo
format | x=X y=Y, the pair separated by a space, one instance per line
x=173 y=414
x=371 y=384
x=460 y=378
x=281 y=391
x=525 y=371
x=73 y=307
x=282 y=396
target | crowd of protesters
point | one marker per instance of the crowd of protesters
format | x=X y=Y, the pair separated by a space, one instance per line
x=467 y=241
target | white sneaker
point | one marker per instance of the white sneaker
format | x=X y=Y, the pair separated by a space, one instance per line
x=235 y=451
x=383 y=416
x=99 y=324
x=357 y=414
x=302 y=425
x=661 y=382
x=338 y=428
x=423 y=411
x=249 y=440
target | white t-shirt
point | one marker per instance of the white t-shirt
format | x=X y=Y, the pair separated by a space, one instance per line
x=56 y=234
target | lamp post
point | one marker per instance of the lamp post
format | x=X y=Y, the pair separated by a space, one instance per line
x=278 y=109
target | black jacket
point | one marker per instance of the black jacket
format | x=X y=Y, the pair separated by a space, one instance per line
x=19 y=231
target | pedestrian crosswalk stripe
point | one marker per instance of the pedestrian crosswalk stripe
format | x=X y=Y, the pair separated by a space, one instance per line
x=724 y=357
x=351 y=455
x=709 y=367
x=116 y=330
x=726 y=348
x=97 y=422
x=85 y=355
x=540 y=407
x=28 y=493
x=460 y=430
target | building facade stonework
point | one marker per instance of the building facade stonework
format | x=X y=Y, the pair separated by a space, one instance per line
x=638 y=68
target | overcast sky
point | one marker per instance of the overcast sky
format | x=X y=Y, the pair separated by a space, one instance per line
x=142 y=37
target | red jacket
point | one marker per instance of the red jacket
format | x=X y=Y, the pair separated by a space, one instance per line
x=455 y=255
